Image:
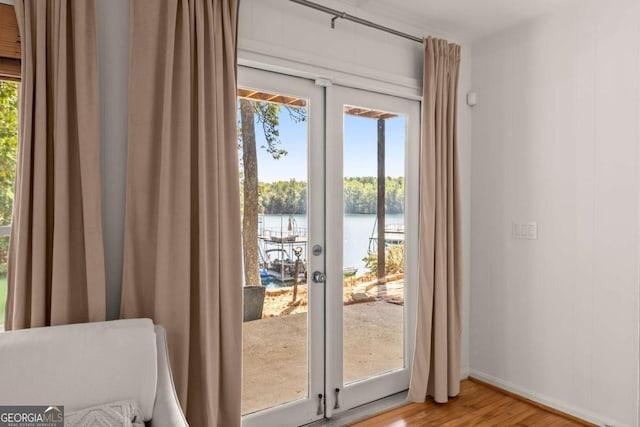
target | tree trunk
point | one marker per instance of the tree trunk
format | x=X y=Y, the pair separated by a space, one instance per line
x=250 y=217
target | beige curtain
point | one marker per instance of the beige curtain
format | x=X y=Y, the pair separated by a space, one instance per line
x=56 y=262
x=436 y=364
x=183 y=259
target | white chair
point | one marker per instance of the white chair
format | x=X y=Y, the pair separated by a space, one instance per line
x=89 y=364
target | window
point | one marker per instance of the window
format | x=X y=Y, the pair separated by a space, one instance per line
x=9 y=81
x=8 y=151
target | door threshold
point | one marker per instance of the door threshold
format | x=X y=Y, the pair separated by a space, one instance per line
x=362 y=412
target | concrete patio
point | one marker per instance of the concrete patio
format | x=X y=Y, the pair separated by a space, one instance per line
x=275 y=352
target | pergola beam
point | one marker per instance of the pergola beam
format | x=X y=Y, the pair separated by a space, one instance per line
x=271 y=97
x=369 y=113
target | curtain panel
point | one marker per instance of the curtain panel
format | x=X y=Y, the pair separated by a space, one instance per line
x=182 y=255
x=56 y=262
x=436 y=363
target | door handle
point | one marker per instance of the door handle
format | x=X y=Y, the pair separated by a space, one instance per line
x=319 y=277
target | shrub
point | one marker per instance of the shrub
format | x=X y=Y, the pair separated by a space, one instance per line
x=393 y=260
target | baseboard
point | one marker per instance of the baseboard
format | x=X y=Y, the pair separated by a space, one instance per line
x=559 y=406
x=464 y=373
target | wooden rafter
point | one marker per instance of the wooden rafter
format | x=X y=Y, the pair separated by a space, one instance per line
x=272 y=97
x=366 y=112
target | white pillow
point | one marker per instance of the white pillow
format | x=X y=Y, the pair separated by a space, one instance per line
x=125 y=413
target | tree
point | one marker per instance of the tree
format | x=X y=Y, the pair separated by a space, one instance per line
x=283 y=197
x=8 y=154
x=267 y=115
x=360 y=196
x=250 y=203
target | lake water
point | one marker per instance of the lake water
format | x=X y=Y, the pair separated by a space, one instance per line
x=357 y=231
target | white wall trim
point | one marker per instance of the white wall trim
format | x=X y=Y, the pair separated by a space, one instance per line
x=547 y=401
x=7 y=2
x=256 y=54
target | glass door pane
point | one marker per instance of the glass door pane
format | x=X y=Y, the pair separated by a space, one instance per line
x=282 y=219
x=372 y=182
x=373 y=228
x=273 y=140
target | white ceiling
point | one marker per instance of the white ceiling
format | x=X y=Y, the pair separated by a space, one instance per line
x=470 y=19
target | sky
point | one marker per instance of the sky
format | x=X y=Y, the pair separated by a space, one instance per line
x=360 y=149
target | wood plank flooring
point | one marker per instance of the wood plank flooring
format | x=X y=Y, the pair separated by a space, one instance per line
x=478 y=405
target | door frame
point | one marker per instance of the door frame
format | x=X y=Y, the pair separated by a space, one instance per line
x=325 y=176
x=367 y=390
x=302 y=411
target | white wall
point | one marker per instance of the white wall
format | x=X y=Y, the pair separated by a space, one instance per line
x=555 y=140
x=113 y=62
x=286 y=37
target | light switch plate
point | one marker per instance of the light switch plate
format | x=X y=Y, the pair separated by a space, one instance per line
x=526 y=230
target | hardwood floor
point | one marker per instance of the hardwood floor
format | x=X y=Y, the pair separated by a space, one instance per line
x=477 y=405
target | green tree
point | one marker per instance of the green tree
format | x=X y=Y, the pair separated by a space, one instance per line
x=266 y=115
x=8 y=154
x=360 y=196
x=394 y=195
x=283 y=197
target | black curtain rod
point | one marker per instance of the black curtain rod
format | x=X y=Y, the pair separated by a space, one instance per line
x=343 y=15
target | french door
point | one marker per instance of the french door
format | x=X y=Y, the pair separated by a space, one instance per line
x=329 y=190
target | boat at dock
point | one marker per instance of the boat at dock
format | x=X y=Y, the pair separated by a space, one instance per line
x=279 y=265
x=280 y=248
x=393 y=236
x=278 y=244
